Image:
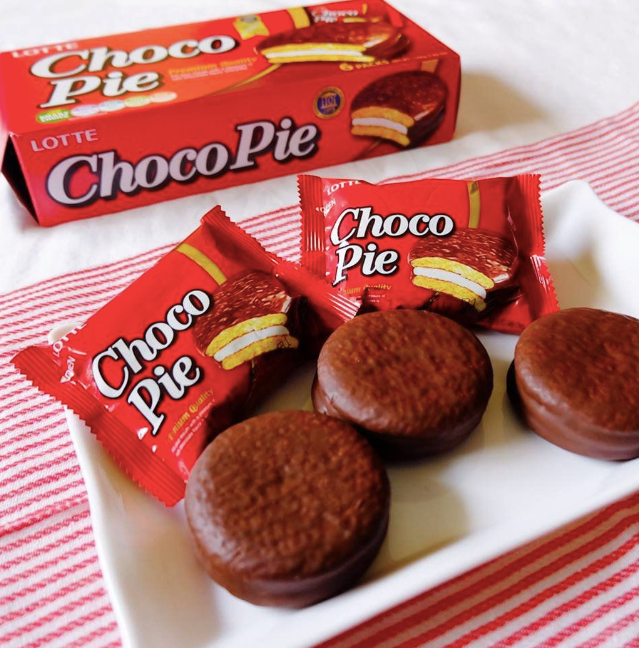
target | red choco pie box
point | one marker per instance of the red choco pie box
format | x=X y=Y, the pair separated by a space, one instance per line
x=110 y=123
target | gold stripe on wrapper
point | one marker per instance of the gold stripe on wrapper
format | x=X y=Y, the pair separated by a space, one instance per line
x=300 y=17
x=203 y=261
x=250 y=26
x=429 y=66
x=473 y=204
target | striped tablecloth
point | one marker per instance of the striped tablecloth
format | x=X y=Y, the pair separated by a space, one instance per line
x=579 y=586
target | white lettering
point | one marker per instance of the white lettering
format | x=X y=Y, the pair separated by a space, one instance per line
x=254 y=138
x=123 y=360
x=111 y=175
x=45 y=68
x=148 y=54
x=183 y=49
x=216 y=44
x=59 y=65
x=105 y=388
x=59 y=178
x=361 y=223
x=65 y=67
x=64 y=139
x=65 y=89
x=114 y=84
x=145 y=397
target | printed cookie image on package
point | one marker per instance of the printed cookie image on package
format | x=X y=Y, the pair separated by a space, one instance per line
x=470 y=264
x=362 y=42
x=405 y=107
x=250 y=317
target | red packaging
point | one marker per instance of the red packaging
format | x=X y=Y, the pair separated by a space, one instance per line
x=356 y=10
x=186 y=350
x=469 y=249
x=106 y=124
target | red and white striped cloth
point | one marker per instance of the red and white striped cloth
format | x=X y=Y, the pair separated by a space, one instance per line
x=579 y=586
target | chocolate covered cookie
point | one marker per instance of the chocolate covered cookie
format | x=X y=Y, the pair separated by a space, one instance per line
x=362 y=42
x=249 y=317
x=470 y=265
x=287 y=508
x=414 y=382
x=575 y=381
x=405 y=107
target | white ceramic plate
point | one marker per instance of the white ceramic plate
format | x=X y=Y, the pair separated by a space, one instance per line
x=503 y=487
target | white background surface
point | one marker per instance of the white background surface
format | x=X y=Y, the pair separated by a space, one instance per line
x=531 y=69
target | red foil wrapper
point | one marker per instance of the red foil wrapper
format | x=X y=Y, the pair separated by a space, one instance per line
x=186 y=350
x=472 y=250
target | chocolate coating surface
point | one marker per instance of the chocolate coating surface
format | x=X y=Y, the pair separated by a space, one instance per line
x=415 y=93
x=412 y=98
x=415 y=382
x=484 y=251
x=288 y=508
x=577 y=381
x=244 y=296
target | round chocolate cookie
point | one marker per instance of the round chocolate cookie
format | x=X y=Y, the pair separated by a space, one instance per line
x=404 y=107
x=287 y=508
x=470 y=265
x=414 y=382
x=362 y=42
x=250 y=316
x=576 y=381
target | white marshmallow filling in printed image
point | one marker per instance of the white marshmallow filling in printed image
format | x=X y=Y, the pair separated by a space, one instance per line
x=249 y=338
x=452 y=277
x=379 y=121
x=313 y=52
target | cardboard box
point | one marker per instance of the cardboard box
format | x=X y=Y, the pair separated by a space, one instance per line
x=106 y=124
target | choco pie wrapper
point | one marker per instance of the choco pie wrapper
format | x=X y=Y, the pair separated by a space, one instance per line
x=469 y=249
x=186 y=350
